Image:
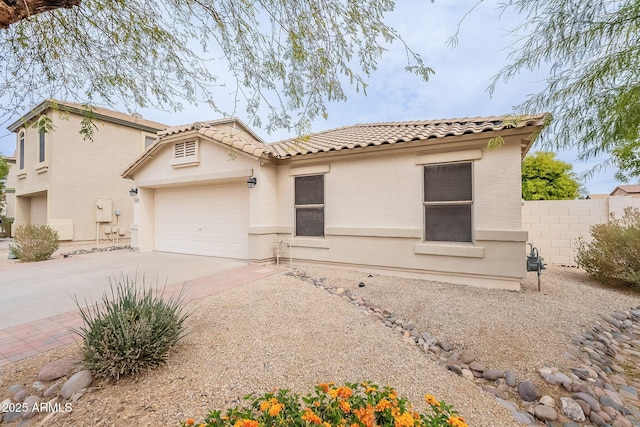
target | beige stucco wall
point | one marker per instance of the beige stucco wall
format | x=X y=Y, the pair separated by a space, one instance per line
x=555 y=225
x=363 y=229
x=75 y=174
x=366 y=230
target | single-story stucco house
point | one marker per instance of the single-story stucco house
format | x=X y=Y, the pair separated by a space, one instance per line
x=420 y=199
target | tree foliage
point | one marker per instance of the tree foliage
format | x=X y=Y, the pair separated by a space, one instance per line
x=593 y=91
x=4 y=171
x=546 y=178
x=283 y=59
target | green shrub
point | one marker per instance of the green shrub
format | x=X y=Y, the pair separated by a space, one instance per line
x=34 y=242
x=363 y=404
x=131 y=330
x=613 y=256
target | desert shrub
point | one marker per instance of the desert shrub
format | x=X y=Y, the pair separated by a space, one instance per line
x=133 y=328
x=34 y=242
x=352 y=404
x=613 y=256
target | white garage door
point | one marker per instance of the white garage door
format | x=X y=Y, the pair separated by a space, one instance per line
x=210 y=220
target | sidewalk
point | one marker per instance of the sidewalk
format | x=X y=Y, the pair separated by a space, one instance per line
x=28 y=339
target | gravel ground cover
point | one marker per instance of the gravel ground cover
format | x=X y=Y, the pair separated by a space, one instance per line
x=285 y=333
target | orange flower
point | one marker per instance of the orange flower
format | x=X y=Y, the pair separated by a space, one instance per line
x=431 y=400
x=326 y=424
x=310 y=416
x=316 y=404
x=382 y=405
x=246 y=423
x=457 y=421
x=190 y=422
x=344 y=405
x=370 y=390
x=264 y=405
x=275 y=409
x=366 y=415
x=333 y=393
x=404 y=420
x=324 y=387
x=344 y=392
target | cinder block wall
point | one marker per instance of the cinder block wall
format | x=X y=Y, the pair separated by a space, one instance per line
x=554 y=225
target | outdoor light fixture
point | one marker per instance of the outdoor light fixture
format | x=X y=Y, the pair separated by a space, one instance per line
x=133 y=192
x=251 y=182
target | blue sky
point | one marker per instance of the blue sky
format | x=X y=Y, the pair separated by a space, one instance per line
x=458 y=88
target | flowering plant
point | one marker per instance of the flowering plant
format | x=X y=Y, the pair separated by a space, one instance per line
x=350 y=405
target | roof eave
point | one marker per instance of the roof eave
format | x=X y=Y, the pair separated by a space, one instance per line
x=147 y=126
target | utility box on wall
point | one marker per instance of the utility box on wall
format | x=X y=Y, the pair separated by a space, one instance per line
x=104 y=209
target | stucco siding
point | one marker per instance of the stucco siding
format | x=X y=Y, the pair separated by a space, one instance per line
x=76 y=173
x=497 y=189
x=374 y=217
x=38 y=211
x=373 y=210
x=84 y=171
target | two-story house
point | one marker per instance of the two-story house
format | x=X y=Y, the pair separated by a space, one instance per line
x=73 y=184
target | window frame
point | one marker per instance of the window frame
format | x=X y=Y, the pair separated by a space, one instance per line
x=21 y=138
x=466 y=202
x=41 y=147
x=309 y=206
x=148 y=140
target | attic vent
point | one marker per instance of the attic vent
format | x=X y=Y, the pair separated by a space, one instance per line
x=184 y=149
x=185 y=154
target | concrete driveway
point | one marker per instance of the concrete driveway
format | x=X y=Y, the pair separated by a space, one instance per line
x=34 y=291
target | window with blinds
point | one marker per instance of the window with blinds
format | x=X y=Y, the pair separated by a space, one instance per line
x=309 y=205
x=448 y=201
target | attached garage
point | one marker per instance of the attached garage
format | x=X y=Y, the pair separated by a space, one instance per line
x=207 y=220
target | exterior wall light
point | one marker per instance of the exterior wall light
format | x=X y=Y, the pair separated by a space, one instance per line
x=251 y=182
x=133 y=192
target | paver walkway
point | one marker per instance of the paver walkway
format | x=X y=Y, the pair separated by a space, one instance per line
x=22 y=341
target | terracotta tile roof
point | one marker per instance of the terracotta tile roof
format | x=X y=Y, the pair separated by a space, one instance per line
x=230 y=131
x=233 y=132
x=374 y=134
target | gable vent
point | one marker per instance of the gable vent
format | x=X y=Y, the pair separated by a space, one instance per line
x=184 y=149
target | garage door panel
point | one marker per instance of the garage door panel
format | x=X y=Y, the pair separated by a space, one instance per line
x=209 y=220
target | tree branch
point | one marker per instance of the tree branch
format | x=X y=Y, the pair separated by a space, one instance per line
x=12 y=11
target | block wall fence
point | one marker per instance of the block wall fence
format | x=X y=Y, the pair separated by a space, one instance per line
x=554 y=225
